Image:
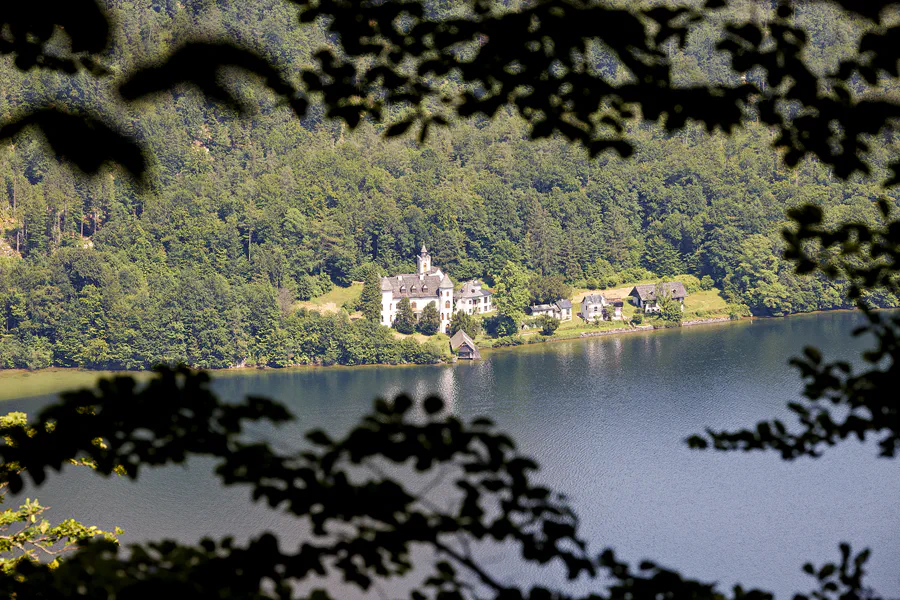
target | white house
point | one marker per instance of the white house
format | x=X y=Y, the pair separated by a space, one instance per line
x=474 y=299
x=540 y=310
x=429 y=285
x=592 y=307
x=561 y=309
x=645 y=295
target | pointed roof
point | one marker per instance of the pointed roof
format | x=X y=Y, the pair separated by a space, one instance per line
x=472 y=289
x=386 y=285
x=459 y=338
x=446 y=283
x=424 y=249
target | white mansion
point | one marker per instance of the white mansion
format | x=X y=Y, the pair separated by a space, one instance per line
x=427 y=286
x=430 y=285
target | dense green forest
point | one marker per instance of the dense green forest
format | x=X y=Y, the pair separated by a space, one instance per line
x=245 y=215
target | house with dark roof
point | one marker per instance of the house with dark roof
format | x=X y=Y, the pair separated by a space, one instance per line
x=645 y=296
x=464 y=346
x=561 y=309
x=473 y=298
x=429 y=285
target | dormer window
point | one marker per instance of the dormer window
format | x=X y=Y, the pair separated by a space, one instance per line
x=402 y=288
x=424 y=288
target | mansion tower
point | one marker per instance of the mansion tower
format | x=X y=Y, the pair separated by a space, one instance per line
x=429 y=285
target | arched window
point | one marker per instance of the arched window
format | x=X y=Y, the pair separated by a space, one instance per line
x=413 y=306
x=447 y=304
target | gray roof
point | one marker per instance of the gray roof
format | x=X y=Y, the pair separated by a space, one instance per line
x=541 y=307
x=459 y=338
x=564 y=304
x=468 y=290
x=674 y=289
x=594 y=299
x=412 y=286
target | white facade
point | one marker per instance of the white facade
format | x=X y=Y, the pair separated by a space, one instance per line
x=427 y=286
x=561 y=309
x=473 y=299
x=592 y=307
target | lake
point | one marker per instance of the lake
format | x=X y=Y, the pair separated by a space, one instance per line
x=606 y=419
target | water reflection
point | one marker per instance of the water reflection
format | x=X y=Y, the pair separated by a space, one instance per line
x=606 y=417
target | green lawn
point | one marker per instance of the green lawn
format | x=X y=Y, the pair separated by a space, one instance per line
x=705 y=305
x=438 y=337
x=333 y=300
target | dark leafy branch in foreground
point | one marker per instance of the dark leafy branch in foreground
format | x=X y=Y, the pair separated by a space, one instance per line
x=365 y=523
x=841 y=401
x=405 y=65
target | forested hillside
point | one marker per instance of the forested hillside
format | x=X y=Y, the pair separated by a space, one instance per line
x=246 y=215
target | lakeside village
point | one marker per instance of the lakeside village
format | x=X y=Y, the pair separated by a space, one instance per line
x=407 y=300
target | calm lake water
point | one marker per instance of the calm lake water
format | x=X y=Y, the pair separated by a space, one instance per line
x=606 y=418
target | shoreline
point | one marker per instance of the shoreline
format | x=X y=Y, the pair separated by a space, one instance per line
x=81 y=378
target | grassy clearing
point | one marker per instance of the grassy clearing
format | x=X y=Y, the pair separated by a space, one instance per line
x=333 y=300
x=705 y=304
x=438 y=337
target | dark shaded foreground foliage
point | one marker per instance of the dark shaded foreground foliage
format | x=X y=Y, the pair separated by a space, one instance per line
x=417 y=63
x=365 y=522
x=840 y=402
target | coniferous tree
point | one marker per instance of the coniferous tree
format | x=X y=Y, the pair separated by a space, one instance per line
x=429 y=321
x=370 y=301
x=511 y=297
x=405 y=322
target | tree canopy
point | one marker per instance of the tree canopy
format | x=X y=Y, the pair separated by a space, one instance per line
x=597 y=74
x=580 y=70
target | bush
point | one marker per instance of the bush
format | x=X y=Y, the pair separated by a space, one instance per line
x=310 y=286
x=500 y=326
x=420 y=354
x=507 y=341
x=549 y=325
x=471 y=324
x=738 y=311
x=638 y=317
x=670 y=313
x=707 y=283
x=691 y=283
x=636 y=274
